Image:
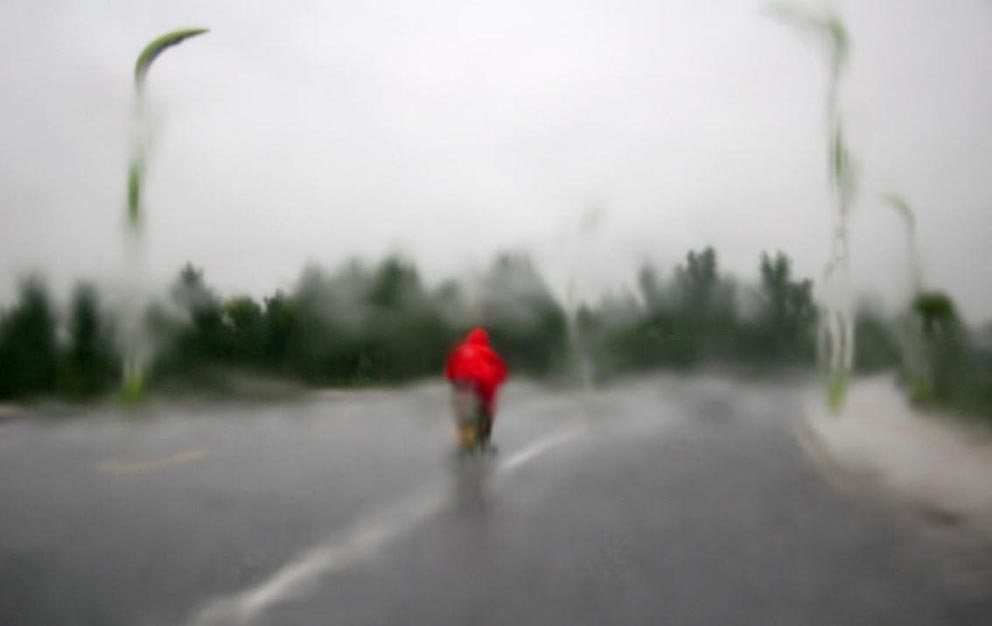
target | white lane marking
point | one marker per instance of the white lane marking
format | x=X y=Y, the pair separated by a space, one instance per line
x=539 y=447
x=293 y=579
x=361 y=542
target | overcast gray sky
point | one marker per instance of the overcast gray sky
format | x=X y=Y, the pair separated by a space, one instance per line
x=449 y=129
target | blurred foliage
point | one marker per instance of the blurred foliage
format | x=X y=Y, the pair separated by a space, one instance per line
x=381 y=324
x=524 y=320
x=787 y=314
x=696 y=318
x=28 y=356
x=878 y=345
x=34 y=362
x=90 y=362
x=936 y=312
x=959 y=376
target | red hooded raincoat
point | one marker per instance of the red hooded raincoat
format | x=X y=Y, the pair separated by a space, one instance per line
x=475 y=360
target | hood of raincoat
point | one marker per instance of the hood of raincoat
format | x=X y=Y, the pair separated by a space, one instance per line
x=477 y=337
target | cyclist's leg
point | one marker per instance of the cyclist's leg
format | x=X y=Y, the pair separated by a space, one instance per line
x=486 y=408
x=485 y=426
x=463 y=400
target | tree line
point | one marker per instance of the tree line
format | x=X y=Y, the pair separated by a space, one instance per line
x=381 y=324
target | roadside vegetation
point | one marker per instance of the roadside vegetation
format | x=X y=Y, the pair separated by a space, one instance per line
x=374 y=324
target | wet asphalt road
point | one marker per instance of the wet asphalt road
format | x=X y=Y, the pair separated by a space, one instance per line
x=662 y=501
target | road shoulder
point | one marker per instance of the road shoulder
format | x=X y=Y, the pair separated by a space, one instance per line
x=934 y=465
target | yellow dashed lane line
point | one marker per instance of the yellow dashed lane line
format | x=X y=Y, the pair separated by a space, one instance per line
x=121 y=467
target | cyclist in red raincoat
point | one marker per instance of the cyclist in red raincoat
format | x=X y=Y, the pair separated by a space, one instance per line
x=473 y=362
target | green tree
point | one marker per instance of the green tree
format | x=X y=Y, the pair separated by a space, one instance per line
x=878 y=345
x=28 y=353
x=396 y=285
x=651 y=288
x=406 y=335
x=697 y=282
x=205 y=338
x=91 y=363
x=245 y=329
x=949 y=359
x=281 y=334
x=524 y=320
x=704 y=324
x=787 y=310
